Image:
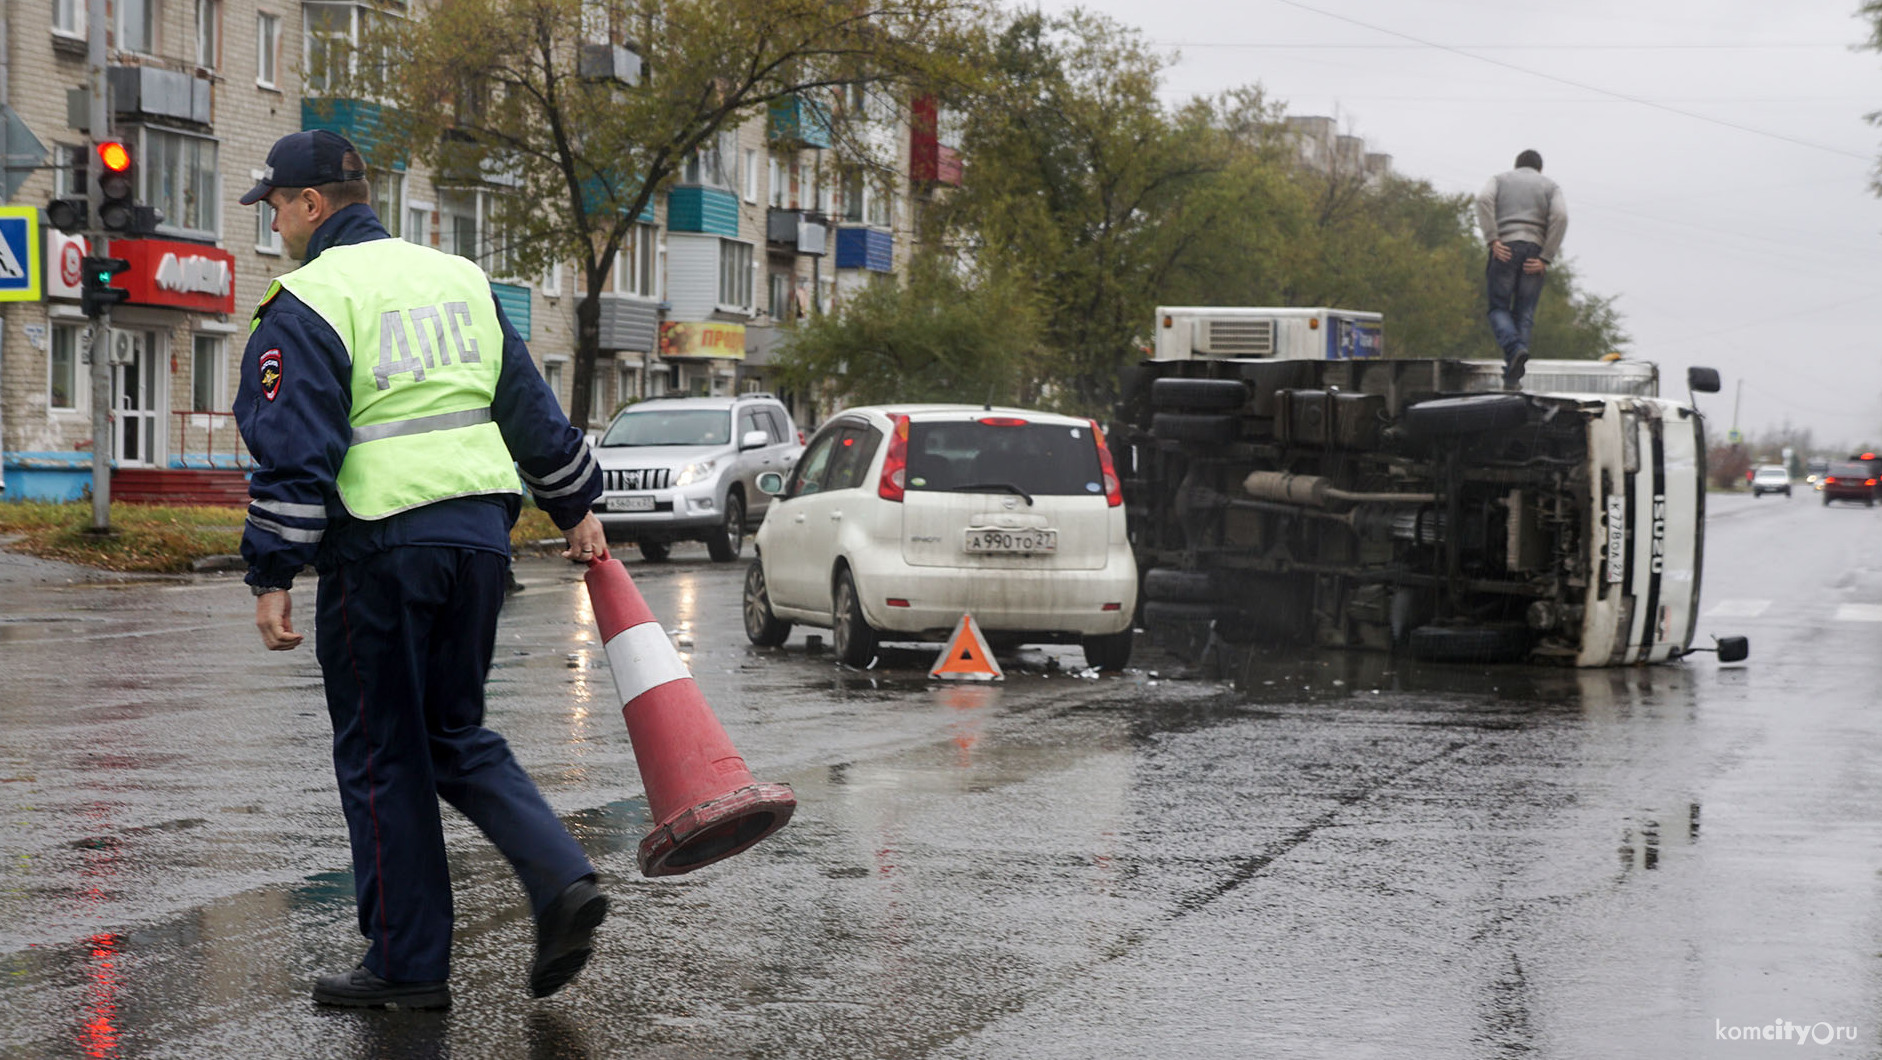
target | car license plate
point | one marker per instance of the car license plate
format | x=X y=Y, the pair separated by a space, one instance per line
x=1035 y=540
x=641 y=503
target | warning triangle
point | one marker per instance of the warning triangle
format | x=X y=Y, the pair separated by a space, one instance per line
x=966 y=656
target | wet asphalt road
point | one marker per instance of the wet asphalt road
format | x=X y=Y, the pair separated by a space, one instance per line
x=1331 y=856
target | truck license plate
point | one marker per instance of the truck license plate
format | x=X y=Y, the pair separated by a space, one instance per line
x=1035 y=540
x=641 y=503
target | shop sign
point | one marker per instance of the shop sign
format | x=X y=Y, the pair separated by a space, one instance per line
x=177 y=275
x=683 y=338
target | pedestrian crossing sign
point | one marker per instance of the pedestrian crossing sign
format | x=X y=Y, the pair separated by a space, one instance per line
x=20 y=272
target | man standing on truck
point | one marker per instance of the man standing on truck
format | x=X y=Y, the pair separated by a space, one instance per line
x=1523 y=215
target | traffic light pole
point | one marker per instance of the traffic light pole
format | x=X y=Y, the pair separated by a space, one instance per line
x=102 y=442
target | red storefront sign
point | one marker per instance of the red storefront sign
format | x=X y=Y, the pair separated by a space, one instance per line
x=176 y=275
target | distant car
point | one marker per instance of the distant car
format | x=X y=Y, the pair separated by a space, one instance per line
x=1814 y=471
x=900 y=518
x=1771 y=478
x=685 y=469
x=1849 y=480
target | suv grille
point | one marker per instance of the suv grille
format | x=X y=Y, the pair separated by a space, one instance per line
x=651 y=478
x=1243 y=338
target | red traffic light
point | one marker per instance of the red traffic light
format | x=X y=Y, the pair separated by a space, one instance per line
x=115 y=156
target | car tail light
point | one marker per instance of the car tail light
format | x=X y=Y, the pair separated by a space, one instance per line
x=1827 y=479
x=1113 y=489
x=800 y=436
x=895 y=465
x=1002 y=421
x=1869 y=482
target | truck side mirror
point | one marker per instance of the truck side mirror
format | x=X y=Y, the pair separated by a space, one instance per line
x=1734 y=649
x=1703 y=380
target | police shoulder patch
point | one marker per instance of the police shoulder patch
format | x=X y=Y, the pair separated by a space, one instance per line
x=270 y=365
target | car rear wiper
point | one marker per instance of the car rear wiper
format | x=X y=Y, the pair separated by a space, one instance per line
x=991 y=487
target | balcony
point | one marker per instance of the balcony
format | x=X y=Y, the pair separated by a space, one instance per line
x=360 y=121
x=514 y=299
x=801 y=231
x=865 y=248
x=797 y=122
x=694 y=208
x=629 y=322
x=930 y=161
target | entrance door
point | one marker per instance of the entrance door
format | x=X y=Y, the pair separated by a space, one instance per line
x=134 y=397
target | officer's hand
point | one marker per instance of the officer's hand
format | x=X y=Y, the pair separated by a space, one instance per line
x=587 y=542
x=1499 y=250
x=273 y=616
x=1535 y=266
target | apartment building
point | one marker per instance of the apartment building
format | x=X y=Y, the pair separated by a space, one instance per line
x=772 y=221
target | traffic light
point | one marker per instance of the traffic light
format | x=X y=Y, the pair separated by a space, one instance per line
x=68 y=215
x=117 y=187
x=95 y=292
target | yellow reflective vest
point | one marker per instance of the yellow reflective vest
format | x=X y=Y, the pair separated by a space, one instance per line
x=420 y=328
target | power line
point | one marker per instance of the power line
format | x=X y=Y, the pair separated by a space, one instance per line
x=1575 y=84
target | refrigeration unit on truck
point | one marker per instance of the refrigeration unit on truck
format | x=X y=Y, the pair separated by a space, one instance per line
x=1410 y=505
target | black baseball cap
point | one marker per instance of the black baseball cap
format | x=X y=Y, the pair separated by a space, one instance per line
x=305 y=159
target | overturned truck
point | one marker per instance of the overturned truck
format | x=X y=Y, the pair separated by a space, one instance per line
x=1414 y=506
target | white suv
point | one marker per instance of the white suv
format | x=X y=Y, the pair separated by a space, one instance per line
x=684 y=469
x=900 y=518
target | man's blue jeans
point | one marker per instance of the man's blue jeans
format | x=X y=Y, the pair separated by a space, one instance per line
x=1513 y=297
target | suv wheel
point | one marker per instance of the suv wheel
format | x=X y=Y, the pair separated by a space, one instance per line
x=655 y=551
x=855 y=638
x=724 y=546
x=762 y=627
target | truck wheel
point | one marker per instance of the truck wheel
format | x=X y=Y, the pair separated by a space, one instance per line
x=1212 y=394
x=762 y=627
x=655 y=551
x=1176 y=585
x=855 y=639
x=1108 y=651
x=725 y=545
x=1474 y=414
x=1469 y=644
x=1193 y=427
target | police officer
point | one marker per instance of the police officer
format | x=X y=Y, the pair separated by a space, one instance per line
x=388 y=405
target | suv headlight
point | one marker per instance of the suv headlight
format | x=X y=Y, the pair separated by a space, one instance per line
x=699 y=472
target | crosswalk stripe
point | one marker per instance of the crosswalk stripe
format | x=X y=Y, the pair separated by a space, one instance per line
x=1738 y=609
x=1859 y=613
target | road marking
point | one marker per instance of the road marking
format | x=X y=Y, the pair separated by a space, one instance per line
x=1738 y=609
x=1859 y=613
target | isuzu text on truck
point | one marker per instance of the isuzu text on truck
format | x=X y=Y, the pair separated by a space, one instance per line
x=1285 y=481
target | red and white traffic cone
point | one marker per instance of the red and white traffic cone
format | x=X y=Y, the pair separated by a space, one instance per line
x=705 y=805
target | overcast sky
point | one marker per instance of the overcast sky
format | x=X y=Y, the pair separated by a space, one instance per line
x=1713 y=154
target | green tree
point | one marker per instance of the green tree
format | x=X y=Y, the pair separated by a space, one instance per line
x=940 y=336
x=492 y=92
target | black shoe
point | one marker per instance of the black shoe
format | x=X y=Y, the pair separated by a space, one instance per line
x=360 y=988
x=562 y=936
x=1513 y=371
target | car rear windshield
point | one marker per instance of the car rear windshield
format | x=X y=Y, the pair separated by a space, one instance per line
x=671 y=427
x=973 y=455
x=1850 y=470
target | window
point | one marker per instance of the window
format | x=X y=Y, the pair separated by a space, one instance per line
x=714 y=163
x=634 y=266
x=418 y=224
x=881 y=207
x=267 y=48
x=735 y=268
x=206 y=375
x=68 y=17
x=776 y=186
x=134 y=25
x=855 y=447
x=853 y=195
x=597 y=399
x=751 y=175
x=208 y=33
x=778 y=294
x=626 y=388
x=180 y=179
x=62 y=377
x=457 y=223
x=552 y=375
x=552 y=280
x=388 y=198
x=68 y=171
x=267 y=240
x=328 y=46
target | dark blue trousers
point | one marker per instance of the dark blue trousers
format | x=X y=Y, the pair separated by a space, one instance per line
x=1513 y=297
x=405 y=642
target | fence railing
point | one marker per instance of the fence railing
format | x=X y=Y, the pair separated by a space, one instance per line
x=207 y=440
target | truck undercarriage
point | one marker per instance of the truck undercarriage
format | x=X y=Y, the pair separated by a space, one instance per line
x=1393 y=505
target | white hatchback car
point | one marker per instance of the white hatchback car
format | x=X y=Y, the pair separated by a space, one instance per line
x=899 y=518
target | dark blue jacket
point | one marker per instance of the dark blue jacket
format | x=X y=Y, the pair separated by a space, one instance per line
x=299 y=437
